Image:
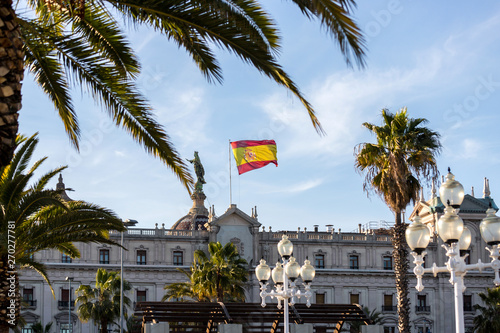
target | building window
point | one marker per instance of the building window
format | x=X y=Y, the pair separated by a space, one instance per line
x=141 y=295
x=178 y=258
x=28 y=298
x=388 y=263
x=320 y=298
x=353 y=262
x=389 y=329
x=354 y=298
x=99 y=328
x=104 y=256
x=319 y=260
x=422 y=304
x=27 y=328
x=141 y=257
x=66 y=259
x=65 y=328
x=388 y=306
x=423 y=329
x=65 y=301
x=468 y=303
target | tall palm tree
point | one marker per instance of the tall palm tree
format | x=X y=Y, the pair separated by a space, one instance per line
x=60 y=40
x=220 y=277
x=101 y=303
x=488 y=320
x=38 y=219
x=405 y=152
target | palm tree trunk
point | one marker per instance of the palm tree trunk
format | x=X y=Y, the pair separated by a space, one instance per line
x=401 y=266
x=11 y=76
x=9 y=314
x=104 y=325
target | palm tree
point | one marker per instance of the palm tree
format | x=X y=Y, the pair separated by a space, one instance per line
x=61 y=39
x=405 y=151
x=38 y=219
x=182 y=291
x=489 y=318
x=101 y=303
x=374 y=316
x=220 y=277
x=39 y=328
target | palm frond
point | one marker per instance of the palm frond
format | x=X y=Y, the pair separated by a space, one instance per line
x=335 y=16
x=45 y=66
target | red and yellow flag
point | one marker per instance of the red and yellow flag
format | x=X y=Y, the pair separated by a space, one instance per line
x=251 y=154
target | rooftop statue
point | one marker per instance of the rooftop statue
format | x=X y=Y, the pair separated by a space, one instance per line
x=200 y=172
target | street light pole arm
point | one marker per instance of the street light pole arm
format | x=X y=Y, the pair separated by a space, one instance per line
x=495 y=263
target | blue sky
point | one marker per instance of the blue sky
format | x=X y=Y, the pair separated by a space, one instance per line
x=438 y=59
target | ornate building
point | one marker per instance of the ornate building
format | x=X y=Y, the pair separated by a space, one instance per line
x=351 y=267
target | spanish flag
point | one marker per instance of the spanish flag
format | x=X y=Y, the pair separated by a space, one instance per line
x=251 y=154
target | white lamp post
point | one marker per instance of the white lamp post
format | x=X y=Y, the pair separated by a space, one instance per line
x=127 y=223
x=450 y=229
x=284 y=276
x=70 y=327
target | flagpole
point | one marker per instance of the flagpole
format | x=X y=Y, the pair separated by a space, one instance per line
x=230 y=181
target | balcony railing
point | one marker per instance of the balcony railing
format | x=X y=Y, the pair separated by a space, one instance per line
x=389 y=308
x=65 y=304
x=468 y=307
x=423 y=308
x=29 y=303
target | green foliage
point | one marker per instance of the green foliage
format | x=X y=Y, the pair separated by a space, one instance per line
x=70 y=43
x=374 y=316
x=39 y=328
x=101 y=303
x=405 y=151
x=488 y=320
x=39 y=218
x=220 y=277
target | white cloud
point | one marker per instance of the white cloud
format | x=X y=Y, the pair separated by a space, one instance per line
x=471 y=39
x=343 y=102
x=300 y=187
x=185 y=115
x=120 y=153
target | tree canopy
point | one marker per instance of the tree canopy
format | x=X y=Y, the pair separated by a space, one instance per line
x=218 y=277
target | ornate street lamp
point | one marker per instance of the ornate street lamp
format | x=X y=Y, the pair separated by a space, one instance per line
x=457 y=238
x=284 y=276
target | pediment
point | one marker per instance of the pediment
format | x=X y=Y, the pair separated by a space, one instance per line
x=475 y=205
x=470 y=205
x=235 y=217
x=30 y=317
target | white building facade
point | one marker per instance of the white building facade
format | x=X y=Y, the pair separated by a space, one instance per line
x=352 y=267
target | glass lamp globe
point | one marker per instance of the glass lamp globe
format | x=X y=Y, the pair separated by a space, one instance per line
x=451 y=191
x=262 y=271
x=490 y=228
x=285 y=247
x=307 y=272
x=450 y=226
x=277 y=274
x=292 y=269
x=465 y=239
x=418 y=235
